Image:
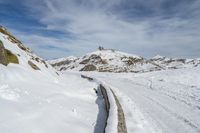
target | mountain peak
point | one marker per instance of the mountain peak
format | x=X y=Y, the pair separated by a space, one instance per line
x=105 y=60
x=158 y=57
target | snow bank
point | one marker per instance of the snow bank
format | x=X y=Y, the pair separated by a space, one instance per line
x=110 y=105
x=112 y=120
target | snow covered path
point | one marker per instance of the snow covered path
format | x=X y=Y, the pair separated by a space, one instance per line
x=169 y=107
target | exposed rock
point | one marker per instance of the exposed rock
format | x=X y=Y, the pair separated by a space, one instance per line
x=66 y=62
x=63 y=68
x=93 y=59
x=44 y=62
x=3 y=59
x=6 y=56
x=85 y=61
x=11 y=57
x=13 y=39
x=35 y=67
x=89 y=67
x=96 y=59
x=130 y=60
x=115 y=61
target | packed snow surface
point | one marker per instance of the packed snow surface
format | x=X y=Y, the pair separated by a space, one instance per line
x=163 y=101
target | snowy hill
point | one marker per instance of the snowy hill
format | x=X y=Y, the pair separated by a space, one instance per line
x=35 y=98
x=106 y=60
x=175 y=63
x=114 y=61
x=14 y=53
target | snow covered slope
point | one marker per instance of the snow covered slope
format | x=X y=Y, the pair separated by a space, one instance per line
x=163 y=101
x=175 y=63
x=26 y=59
x=106 y=60
x=36 y=99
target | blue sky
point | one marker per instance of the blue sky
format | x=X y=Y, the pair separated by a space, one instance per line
x=58 y=28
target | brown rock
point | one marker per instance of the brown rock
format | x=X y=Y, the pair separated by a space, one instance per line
x=89 y=67
x=35 y=67
x=3 y=59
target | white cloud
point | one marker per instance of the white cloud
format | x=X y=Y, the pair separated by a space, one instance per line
x=92 y=24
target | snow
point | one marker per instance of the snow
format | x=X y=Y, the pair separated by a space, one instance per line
x=62 y=59
x=46 y=101
x=31 y=102
x=115 y=61
x=112 y=121
x=158 y=57
x=8 y=93
x=24 y=57
x=106 y=60
x=112 y=54
x=114 y=58
x=162 y=101
x=41 y=101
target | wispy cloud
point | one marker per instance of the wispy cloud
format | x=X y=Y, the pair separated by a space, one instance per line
x=142 y=27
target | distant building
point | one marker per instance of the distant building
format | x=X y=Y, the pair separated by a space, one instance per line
x=101 y=48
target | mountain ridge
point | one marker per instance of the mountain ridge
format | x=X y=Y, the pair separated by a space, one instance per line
x=109 y=60
x=15 y=53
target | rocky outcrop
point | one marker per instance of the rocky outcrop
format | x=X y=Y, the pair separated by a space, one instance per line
x=12 y=58
x=13 y=51
x=104 y=60
x=93 y=59
x=3 y=59
x=119 y=62
x=35 y=67
x=89 y=67
x=130 y=60
x=6 y=56
x=13 y=39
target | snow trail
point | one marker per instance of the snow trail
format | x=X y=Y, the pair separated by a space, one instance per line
x=168 y=106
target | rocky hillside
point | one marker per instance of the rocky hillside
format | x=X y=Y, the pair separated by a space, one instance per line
x=175 y=63
x=14 y=53
x=108 y=60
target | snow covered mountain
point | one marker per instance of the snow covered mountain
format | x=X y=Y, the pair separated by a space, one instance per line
x=35 y=98
x=175 y=63
x=107 y=60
